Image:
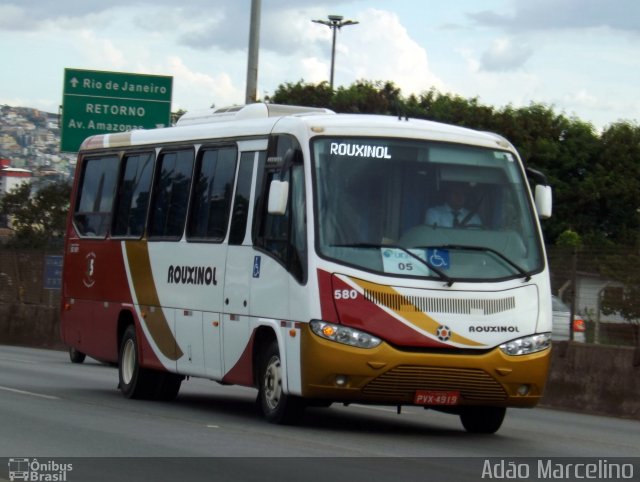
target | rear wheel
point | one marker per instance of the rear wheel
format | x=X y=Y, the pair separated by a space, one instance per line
x=135 y=381
x=276 y=406
x=482 y=419
x=76 y=356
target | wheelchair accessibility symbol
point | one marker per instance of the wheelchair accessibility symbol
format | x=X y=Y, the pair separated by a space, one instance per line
x=438 y=258
x=256 y=266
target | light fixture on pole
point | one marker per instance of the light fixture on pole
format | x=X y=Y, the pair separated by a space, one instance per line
x=335 y=22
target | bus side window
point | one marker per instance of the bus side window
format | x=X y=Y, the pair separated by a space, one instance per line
x=242 y=198
x=213 y=187
x=171 y=194
x=133 y=195
x=92 y=215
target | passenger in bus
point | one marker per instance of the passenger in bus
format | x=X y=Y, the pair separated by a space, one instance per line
x=453 y=213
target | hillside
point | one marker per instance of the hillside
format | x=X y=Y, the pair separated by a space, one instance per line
x=30 y=139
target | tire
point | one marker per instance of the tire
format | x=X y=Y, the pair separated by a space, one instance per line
x=276 y=406
x=482 y=419
x=76 y=356
x=135 y=381
x=167 y=387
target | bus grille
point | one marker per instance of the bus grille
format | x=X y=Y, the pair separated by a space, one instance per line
x=440 y=305
x=401 y=383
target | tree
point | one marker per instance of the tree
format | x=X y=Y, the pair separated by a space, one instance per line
x=368 y=98
x=616 y=184
x=309 y=95
x=37 y=218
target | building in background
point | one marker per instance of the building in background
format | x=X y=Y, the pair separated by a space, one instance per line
x=11 y=177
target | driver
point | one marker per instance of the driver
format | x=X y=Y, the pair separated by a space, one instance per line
x=452 y=213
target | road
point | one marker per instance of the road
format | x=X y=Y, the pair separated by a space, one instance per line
x=53 y=410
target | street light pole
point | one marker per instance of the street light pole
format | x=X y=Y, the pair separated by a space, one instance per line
x=252 y=57
x=335 y=22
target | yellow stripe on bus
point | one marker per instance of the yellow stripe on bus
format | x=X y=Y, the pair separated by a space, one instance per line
x=417 y=318
x=147 y=296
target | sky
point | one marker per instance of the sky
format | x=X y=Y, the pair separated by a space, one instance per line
x=580 y=57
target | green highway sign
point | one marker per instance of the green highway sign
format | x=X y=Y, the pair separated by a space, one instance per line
x=98 y=102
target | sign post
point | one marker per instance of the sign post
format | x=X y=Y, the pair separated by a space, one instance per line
x=98 y=102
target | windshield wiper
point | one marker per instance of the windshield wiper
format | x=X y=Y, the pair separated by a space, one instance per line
x=443 y=276
x=525 y=274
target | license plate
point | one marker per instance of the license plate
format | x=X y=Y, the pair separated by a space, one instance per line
x=436 y=397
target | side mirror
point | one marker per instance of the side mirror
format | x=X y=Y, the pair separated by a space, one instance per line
x=278 y=195
x=544 y=201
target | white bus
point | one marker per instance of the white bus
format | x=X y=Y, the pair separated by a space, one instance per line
x=311 y=255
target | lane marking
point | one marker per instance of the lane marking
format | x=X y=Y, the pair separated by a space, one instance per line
x=32 y=394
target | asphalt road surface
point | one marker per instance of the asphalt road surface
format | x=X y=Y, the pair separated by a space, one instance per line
x=62 y=413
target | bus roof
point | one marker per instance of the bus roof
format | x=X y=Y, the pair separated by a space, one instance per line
x=261 y=119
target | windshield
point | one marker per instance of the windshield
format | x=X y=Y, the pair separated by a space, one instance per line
x=416 y=208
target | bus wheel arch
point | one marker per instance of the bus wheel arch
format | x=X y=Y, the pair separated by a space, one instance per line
x=276 y=406
x=134 y=380
x=263 y=337
x=124 y=320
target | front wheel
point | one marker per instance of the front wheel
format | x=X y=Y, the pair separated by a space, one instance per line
x=276 y=406
x=482 y=419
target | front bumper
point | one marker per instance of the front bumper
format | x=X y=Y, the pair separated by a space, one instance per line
x=387 y=375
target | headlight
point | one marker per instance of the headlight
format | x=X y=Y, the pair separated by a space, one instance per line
x=344 y=334
x=527 y=345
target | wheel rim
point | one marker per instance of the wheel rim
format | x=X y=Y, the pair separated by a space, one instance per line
x=272 y=383
x=128 y=361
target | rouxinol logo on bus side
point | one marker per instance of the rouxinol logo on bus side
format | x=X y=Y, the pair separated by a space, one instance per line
x=192 y=275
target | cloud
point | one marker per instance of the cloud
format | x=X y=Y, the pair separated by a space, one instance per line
x=13 y=17
x=198 y=24
x=103 y=49
x=564 y=14
x=504 y=55
x=35 y=14
x=202 y=89
x=379 y=48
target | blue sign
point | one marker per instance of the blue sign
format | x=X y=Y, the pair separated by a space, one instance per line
x=52 y=279
x=256 y=266
x=438 y=258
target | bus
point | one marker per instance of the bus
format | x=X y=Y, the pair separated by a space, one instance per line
x=290 y=249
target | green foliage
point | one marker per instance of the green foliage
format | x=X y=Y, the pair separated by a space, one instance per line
x=309 y=95
x=569 y=239
x=616 y=183
x=37 y=218
x=367 y=97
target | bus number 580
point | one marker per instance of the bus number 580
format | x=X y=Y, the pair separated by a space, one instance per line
x=345 y=294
